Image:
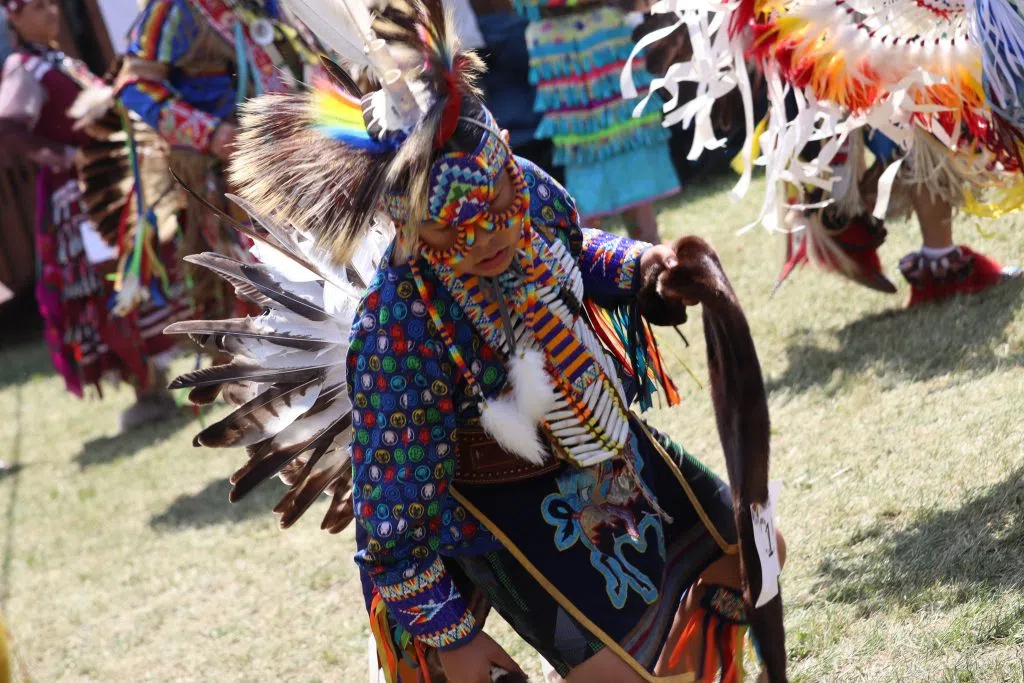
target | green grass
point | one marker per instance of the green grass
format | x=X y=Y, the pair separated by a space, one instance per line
x=898 y=436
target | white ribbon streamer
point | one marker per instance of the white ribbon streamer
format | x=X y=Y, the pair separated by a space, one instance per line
x=885 y=185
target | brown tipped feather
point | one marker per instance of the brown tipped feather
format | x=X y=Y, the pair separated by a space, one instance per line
x=258 y=470
x=202 y=396
x=238 y=393
x=258 y=419
x=269 y=457
x=314 y=480
x=340 y=513
x=221 y=374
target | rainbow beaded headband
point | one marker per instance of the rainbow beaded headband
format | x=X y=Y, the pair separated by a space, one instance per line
x=486 y=221
x=461 y=188
x=461 y=184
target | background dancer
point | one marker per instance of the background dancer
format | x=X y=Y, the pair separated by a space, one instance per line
x=944 y=84
x=190 y=64
x=87 y=342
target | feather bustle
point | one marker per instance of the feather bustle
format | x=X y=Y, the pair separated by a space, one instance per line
x=309 y=193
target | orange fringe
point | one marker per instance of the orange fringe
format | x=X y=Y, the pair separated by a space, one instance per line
x=721 y=647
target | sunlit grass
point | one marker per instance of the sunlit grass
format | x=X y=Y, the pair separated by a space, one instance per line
x=898 y=435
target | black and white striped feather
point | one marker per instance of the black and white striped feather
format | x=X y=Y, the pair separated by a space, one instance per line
x=286 y=378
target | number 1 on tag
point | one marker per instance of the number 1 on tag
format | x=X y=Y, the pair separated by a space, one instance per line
x=766 y=541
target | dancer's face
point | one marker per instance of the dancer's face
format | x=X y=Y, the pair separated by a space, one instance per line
x=38 y=21
x=493 y=235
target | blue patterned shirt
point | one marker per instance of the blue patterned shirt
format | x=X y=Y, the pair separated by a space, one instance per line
x=409 y=401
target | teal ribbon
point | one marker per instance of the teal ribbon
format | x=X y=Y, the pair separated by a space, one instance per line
x=246 y=65
x=242 y=59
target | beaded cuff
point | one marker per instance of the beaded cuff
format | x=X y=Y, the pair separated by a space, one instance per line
x=429 y=606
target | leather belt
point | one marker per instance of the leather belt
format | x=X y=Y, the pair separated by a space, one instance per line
x=481 y=461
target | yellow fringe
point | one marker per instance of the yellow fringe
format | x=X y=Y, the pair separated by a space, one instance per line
x=1000 y=202
x=755 y=148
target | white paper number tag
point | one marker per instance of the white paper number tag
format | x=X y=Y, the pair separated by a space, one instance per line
x=767 y=544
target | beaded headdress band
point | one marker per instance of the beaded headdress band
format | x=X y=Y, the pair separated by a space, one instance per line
x=461 y=183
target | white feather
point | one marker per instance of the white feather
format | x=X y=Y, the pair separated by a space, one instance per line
x=342 y=25
x=512 y=429
x=368 y=254
x=250 y=350
x=309 y=428
x=312 y=291
x=287 y=415
x=335 y=456
x=534 y=394
x=90 y=105
x=286 y=323
x=341 y=302
x=281 y=262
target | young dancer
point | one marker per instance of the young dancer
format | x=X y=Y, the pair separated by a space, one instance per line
x=452 y=356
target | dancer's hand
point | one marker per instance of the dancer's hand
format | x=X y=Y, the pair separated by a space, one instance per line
x=661 y=305
x=223 y=141
x=473 y=662
x=656 y=259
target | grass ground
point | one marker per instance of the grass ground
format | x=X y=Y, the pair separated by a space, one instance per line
x=898 y=436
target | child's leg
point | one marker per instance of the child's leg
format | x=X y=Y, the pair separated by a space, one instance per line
x=642 y=223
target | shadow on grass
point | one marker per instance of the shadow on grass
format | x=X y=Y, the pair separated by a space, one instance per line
x=22 y=361
x=961 y=335
x=211 y=506
x=107 y=449
x=12 y=471
x=941 y=556
x=715 y=181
